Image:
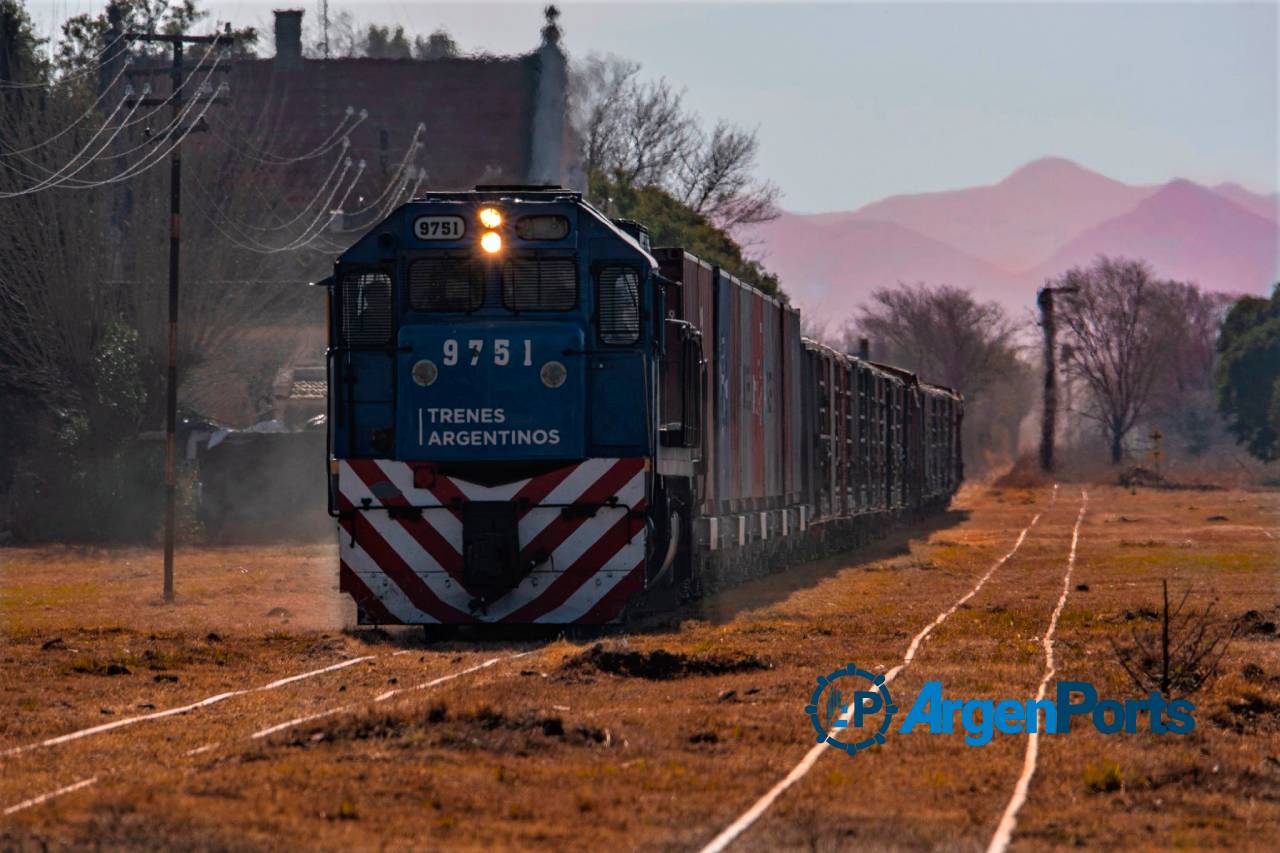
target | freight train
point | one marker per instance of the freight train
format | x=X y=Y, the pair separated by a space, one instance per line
x=536 y=417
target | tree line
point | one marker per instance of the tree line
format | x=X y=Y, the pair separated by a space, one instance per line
x=1136 y=351
x=83 y=265
x=82 y=283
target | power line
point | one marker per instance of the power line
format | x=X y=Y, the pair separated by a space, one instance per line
x=391 y=202
x=57 y=178
x=414 y=145
x=148 y=160
x=101 y=97
x=338 y=135
x=310 y=233
x=70 y=75
x=301 y=213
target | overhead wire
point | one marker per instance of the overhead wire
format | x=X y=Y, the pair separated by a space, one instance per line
x=323 y=185
x=328 y=144
x=143 y=165
x=329 y=207
x=214 y=210
x=396 y=180
x=386 y=209
x=140 y=119
x=138 y=168
x=309 y=234
x=61 y=178
x=11 y=152
x=58 y=176
x=71 y=75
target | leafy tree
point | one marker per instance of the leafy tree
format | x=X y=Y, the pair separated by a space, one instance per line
x=382 y=43
x=438 y=45
x=1183 y=401
x=83 y=272
x=672 y=223
x=1248 y=374
x=84 y=36
x=648 y=158
x=20 y=58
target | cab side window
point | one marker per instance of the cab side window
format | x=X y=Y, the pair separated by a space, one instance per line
x=366 y=309
x=618 y=297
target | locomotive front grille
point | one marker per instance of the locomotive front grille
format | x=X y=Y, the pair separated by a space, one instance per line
x=491 y=549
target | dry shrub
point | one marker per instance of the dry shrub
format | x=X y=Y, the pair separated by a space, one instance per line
x=1103 y=777
x=658 y=665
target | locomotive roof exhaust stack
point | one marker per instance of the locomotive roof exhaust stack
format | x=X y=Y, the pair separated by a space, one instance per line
x=634 y=230
x=864 y=349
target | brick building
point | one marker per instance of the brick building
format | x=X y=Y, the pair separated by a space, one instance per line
x=479 y=119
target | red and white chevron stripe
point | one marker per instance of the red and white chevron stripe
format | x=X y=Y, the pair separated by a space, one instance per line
x=407 y=568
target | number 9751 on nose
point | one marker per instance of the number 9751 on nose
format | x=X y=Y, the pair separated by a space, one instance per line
x=472 y=350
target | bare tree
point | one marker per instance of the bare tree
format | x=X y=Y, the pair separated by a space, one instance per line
x=639 y=133
x=1118 y=339
x=947 y=337
x=718 y=179
x=600 y=86
x=82 y=265
x=1183 y=402
x=655 y=134
x=941 y=332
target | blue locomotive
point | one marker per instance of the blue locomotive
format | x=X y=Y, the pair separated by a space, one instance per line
x=535 y=416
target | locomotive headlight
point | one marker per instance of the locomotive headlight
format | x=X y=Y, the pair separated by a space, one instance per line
x=490 y=217
x=491 y=242
x=553 y=374
x=425 y=372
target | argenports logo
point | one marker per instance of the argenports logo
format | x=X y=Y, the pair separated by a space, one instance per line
x=841 y=705
x=851 y=710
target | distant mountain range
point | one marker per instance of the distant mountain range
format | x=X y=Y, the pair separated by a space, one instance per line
x=1004 y=240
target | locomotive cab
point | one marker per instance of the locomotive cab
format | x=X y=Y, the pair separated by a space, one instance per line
x=501 y=333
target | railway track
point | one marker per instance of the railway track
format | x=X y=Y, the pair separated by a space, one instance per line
x=241 y=729
x=529 y=745
x=1009 y=819
x=748 y=818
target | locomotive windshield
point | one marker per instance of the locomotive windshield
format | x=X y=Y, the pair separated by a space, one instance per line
x=540 y=284
x=445 y=284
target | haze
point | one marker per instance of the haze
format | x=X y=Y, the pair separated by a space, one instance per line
x=858 y=102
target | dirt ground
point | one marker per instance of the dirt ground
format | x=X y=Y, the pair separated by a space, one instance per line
x=374 y=740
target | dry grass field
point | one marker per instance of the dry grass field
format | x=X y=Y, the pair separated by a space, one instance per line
x=661 y=737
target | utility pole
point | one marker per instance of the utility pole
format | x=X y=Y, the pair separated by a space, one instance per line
x=177 y=74
x=1048 y=421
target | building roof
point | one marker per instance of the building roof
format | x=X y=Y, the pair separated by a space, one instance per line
x=475 y=119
